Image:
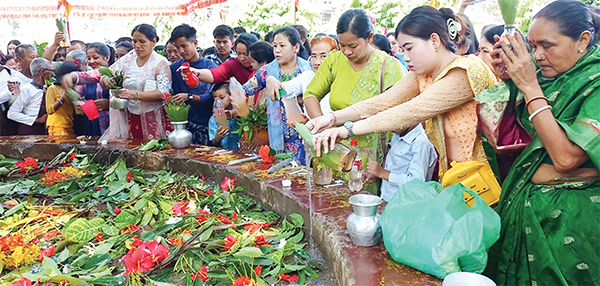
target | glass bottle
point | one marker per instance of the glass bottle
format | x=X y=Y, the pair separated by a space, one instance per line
x=355 y=183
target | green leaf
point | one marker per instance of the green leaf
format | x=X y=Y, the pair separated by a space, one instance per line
x=115 y=187
x=310 y=272
x=105 y=246
x=248 y=252
x=297 y=219
x=83 y=230
x=142 y=203
x=109 y=280
x=96 y=261
x=297 y=238
x=295 y=267
x=110 y=230
x=125 y=218
x=135 y=191
x=49 y=267
x=14 y=209
x=62 y=256
x=121 y=170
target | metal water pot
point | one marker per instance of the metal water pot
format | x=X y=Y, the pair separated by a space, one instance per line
x=180 y=137
x=363 y=225
x=116 y=102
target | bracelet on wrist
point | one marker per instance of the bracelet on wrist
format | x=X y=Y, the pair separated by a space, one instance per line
x=60 y=101
x=539 y=110
x=334 y=119
x=137 y=95
x=536 y=98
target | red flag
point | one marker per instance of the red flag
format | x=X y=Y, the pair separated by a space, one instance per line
x=297 y=5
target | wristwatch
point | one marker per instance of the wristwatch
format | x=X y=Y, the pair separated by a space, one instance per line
x=190 y=96
x=348 y=125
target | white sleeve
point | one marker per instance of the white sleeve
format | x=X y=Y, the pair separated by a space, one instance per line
x=16 y=110
x=294 y=86
x=4 y=92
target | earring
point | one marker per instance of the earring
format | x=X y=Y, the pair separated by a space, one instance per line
x=581 y=51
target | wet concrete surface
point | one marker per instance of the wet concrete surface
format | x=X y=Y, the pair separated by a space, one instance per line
x=324 y=209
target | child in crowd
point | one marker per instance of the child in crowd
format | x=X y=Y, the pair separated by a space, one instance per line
x=220 y=136
x=411 y=156
x=59 y=107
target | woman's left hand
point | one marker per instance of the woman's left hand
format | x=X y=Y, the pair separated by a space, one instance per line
x=518 y=62
x=328 y=138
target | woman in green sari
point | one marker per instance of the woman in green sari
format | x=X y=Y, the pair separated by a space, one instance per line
x=355 y=73
x=550 y=204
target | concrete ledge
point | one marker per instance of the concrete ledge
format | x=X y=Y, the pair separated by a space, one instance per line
x=324 y=210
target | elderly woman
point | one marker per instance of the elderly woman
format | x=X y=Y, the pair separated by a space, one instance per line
x=147 y=77
x=550 y=205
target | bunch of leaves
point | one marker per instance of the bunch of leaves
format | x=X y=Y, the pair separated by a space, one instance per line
x=178 y=112
x=118 y=77
x=40 y=48
x=257 y=117
x=153 y=145
x=214 y=235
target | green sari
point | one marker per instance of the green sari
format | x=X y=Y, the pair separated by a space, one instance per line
x=551 y=233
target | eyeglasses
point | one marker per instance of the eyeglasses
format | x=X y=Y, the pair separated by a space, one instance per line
x=50 y=70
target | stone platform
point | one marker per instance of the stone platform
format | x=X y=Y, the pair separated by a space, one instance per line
x=324 y=209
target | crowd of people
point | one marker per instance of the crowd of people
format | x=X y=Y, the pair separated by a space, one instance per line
x=408 y=98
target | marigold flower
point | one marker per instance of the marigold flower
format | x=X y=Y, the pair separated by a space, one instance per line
x=99 y=237
x=265 y=155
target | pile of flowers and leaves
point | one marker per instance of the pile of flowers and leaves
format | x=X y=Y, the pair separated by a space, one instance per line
x=72 y=221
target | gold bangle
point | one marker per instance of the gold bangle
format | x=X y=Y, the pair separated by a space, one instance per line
x=137 y=95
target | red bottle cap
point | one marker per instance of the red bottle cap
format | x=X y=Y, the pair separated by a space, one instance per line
x=353 y=143
x=186 y=67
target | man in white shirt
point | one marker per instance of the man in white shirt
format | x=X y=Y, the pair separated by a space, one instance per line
x=24 y=54
x=28 y=108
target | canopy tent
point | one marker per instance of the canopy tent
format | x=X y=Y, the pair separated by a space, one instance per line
x=115 y=8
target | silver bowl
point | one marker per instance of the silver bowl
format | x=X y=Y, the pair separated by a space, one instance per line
x=118 y=103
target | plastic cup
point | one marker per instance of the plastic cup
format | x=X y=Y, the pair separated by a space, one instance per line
x=90 y=109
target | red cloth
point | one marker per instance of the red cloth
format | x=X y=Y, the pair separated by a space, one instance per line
x=230 y=68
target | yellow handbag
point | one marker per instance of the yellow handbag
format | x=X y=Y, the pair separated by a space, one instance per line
x=477 y=176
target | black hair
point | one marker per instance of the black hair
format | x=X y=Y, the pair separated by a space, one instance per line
x=82 y=43
x=65 y=68
x=160 y=48
x=257 y=35
x=183 y=30
x=13 y=42
x=5 y=58
x=123 y=39
x=390 y=34
x=147 y=30
x=423 y=21
x=320 y=35
x=245 y=38
x=127 y=45
x=382 y=43
x=100 y=48
x=223 y=31
x=221 y=85
x=355 y=21
x=239 y=30
x=303 y=36
x=113 y=54
x=58 y=51
x=261 y=52
x=294 y=38
x=490 y=32
x=571 y=18
x=468 y=36
x=595 y=13
x=208 y=51
x=269 y=37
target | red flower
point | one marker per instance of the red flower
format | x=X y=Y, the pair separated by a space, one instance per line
x=202 y=274
x=235 y=216
x=144 y=255
x=266 y=154
x=35 y=240
x=23 y=282
x=202 y=179
x=99 y=237
x=176 y=241
x=285 y=277
x=47 y=252
x=258 y=270
x=117 y=210
x=50 y=235
x=260 y=240
x=72 y=156
x=179 y=208
x=225 y=219
x=98 y=189
x=230 y=241
x=165 y=96
x=27 y=164
x=227 y=184
x=242 y=281
x=253 y=227
x=265 y=225
x=130 y=228
x=210 y=192
x=203 y=216
x=129 y=177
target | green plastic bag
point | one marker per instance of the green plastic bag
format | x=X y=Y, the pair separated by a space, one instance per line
x=437 y=233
